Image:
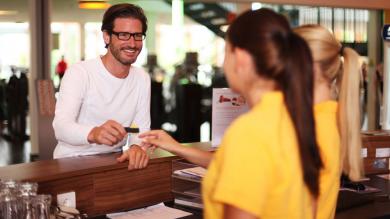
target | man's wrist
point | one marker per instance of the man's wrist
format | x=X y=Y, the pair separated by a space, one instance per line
x=90 y=136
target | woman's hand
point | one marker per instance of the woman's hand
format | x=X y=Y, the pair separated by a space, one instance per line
x=161 y=139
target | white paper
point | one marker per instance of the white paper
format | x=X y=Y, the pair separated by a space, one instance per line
x=384 y=176
x=190 y=202
x=382 y=152
x=194 y=171
x=368 y=189
x=152 y=212
x=227 y=106
x=364 y=152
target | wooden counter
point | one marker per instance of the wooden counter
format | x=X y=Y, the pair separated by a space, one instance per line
x=101 y=184
x=371 y=205
x=376 y=152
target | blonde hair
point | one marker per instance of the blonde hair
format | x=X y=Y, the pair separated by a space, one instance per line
x=337 y=62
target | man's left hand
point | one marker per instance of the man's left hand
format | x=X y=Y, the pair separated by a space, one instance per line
x=138 y=158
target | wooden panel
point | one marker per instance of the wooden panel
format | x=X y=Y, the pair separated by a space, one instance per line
x=376 y=138
x=102 y=185
x=81 y=185
x=369 y=205
x=120 y=189
x=386 y=15
x=373 y=164
x=47 y=170
x=376 y=165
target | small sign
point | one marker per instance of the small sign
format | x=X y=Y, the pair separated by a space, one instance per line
x=227 y=106
x=382 y=152
x=364 y=152
x=386 y=32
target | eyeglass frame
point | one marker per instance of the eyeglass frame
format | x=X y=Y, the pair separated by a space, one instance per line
x=129 y=35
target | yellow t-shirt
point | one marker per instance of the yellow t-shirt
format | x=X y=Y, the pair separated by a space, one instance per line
x=257 y=168
x=328 y=139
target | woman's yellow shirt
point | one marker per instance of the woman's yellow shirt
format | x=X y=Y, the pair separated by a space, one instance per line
x=328 y=139
x=257 y=167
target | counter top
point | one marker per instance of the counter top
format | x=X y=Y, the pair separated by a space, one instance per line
x=45 y=170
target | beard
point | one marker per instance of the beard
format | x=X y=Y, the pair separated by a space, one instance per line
x=116 y=52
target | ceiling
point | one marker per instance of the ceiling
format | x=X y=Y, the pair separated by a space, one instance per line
x=68 y=11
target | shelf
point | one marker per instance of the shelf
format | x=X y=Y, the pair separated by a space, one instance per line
x=186 y=188
x=196 y=180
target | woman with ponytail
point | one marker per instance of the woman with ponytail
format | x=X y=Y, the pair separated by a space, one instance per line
x=336 y=77
x=268 y=163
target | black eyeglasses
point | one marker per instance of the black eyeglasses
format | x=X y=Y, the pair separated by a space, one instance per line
x=126 y=35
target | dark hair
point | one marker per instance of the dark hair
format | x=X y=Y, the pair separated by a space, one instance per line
x=283 y=56
x=124 y=10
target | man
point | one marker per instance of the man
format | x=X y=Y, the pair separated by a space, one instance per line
x=99 y=97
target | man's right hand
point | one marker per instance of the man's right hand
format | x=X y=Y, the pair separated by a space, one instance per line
x=109 y=133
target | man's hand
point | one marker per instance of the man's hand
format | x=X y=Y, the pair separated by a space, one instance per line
x=138 y=158
x=110 y=133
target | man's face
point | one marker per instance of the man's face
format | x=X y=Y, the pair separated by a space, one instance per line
x=125 y=51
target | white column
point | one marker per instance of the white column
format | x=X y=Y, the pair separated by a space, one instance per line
x=178 y=28
x=151 y=34
x=42 y=134
x=386 y=86
x=82 y=40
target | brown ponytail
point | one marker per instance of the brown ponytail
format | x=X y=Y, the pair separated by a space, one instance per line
x=298 y=93
x=283 y=56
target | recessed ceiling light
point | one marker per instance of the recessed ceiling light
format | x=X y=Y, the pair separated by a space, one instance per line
x=85 y=4
x=8 y=12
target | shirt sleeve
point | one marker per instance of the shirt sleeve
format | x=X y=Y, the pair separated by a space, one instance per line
x=142 y=116
x=245 y=175
x=72 y=91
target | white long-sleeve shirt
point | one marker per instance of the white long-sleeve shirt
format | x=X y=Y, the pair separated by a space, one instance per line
x=89 y=96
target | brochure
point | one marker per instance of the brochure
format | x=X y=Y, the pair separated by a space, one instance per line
x=227 y=106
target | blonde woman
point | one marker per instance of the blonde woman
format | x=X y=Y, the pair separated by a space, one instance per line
x=336 y=77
